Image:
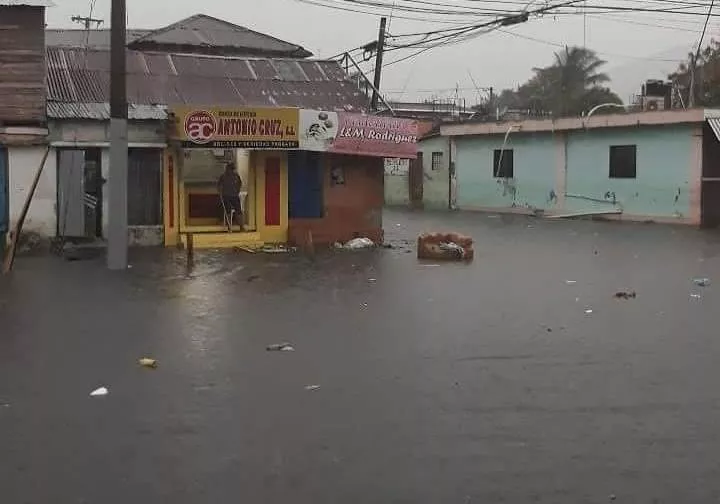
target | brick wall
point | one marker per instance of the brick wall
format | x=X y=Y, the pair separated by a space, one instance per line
x=350 y=210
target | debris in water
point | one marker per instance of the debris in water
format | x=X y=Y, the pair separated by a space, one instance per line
x=372 y=280
x=571 y=282
x=280 y=347
x=695 y=296
x=252 y=278
x=148 y=362
x=445 y=246
x=612 y=497
x=702 y=282
x=312 y=387
x=588 y=312
x=625 y=295
x=359 y=243
x=102 y=391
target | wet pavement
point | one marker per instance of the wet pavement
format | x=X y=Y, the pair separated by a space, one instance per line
x=483 y=383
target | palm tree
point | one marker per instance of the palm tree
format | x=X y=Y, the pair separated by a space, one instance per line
x=568 y=87
x=576 y=81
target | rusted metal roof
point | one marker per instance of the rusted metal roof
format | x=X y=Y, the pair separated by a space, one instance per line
x=92 y=39
x=83 y=76
x=27 y=3
x=101 y=111
x=202 y=34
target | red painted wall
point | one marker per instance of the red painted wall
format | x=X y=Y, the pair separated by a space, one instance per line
x=353 y=209
x=272 y=191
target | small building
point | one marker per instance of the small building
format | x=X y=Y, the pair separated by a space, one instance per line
x=325 y=183
x=661 y=166
x=425 y=183
x=23 y=125
x=308 y=176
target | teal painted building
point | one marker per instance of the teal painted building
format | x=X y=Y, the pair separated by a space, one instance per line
x=660 y=166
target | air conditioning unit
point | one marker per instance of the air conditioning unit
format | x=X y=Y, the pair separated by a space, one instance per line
x=654 y=103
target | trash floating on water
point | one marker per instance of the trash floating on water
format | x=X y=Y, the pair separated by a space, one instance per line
x=625 y=295
x=588 y=312
x=102 y=391
x=446 y=246
x=252 y=278
x=571 y=282
x=312 y=387
x=148 y=362
x=280 y=347
x=701 y=282
x=695 y=296
x=359 y=243
x=372 y=280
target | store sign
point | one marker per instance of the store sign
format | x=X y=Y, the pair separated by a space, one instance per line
x=236 y=128
x=345 y=133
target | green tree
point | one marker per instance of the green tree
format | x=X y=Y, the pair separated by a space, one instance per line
x=570 y=86
x=707 y=77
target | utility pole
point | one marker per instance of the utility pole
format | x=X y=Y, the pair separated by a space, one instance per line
x=117 y=181
x=378 y=63
x=87 y=21
x=693 y=70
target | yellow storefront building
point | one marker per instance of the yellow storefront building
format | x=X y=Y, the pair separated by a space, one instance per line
x=203 y=141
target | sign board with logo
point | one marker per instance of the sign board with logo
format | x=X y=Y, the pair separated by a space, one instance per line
x=236 y=128
x=363 y=135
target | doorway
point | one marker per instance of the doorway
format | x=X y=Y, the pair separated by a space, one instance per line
x=710 y=188
x=79 y=193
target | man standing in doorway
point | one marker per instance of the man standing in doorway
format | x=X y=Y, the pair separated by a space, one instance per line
x=229 y=186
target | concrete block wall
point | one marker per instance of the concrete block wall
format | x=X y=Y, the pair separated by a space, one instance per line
x=23 y=163
x=569 y=171
x=436 y=188
x=354 y=208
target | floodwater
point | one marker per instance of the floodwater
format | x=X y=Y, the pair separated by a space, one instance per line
x=517 y=378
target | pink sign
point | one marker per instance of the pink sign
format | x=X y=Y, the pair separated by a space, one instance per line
x=363 y=135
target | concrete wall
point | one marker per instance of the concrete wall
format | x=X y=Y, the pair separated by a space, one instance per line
x=23 y=163
x=397 y=182
x=83 y=134
x=436 y=189
x=569 y=171
x=534 y=172
x=662 y=187
x=352 y=209
x=94 y=132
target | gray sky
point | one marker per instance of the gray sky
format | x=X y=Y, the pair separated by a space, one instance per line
x=636 y=45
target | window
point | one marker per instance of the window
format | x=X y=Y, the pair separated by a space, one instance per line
x=503 y=166
x=623 y=161
x=437 y=161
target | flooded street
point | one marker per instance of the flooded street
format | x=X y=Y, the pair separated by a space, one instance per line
x=516 y=378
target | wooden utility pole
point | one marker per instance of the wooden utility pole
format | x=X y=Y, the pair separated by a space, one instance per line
x=117 y=181
x=87 y=21
x=380 y=51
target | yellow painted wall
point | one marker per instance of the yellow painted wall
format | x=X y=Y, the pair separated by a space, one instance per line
x=256 y=195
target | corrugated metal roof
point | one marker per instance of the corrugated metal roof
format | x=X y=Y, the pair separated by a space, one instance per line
x=29 y=3
x=101 y=111
x=715 y=126
x=205 y=34
x=93 y=39
x=79 y=76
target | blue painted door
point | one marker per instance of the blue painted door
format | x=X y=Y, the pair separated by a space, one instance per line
x=3 y=192
x=305 y=185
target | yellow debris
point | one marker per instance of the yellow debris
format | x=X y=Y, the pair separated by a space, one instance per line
x=148 y=363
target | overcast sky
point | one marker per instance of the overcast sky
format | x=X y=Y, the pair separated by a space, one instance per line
x=636 y=45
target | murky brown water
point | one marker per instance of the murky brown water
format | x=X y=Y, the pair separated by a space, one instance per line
x=487 y=382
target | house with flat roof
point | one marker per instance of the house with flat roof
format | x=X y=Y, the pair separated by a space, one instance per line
x=645 y=166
